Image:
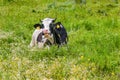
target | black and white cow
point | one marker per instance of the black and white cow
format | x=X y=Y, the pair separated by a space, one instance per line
x=48 y=33
x=56 y=30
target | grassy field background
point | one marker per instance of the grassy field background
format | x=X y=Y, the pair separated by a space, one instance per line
x=93 y=51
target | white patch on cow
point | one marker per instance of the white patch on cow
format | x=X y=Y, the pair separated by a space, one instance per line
x=46 y=22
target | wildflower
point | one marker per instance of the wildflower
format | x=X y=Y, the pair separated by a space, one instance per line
x=81 y=57
x=113 y=73
x=88 y=59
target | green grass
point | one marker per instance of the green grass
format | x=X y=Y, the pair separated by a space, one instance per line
x=93 y=51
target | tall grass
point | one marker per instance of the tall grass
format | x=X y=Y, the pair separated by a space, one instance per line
x=92 y=51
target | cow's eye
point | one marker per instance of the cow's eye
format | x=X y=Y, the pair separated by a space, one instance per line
x=42 y=26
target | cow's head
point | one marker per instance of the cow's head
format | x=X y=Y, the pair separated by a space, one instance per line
x=46 y=23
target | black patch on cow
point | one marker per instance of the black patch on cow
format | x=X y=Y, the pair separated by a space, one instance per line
x=39 y=38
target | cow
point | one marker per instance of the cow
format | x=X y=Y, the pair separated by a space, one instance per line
x=48 y=33
x=56 y=30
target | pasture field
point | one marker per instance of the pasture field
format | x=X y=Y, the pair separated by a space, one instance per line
x=93 y=50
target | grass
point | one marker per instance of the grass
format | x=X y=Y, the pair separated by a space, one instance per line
x=93 y=50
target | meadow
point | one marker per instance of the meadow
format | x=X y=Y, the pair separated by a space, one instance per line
x=93 y=50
